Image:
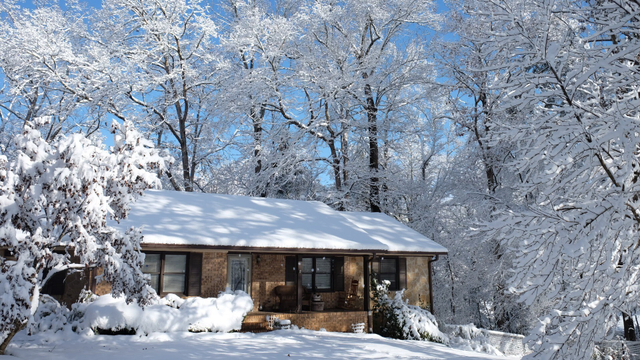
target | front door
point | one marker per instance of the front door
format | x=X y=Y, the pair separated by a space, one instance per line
x=239 y=272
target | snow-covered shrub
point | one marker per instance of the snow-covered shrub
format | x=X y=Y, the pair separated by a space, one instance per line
x=172 y=300
x=108 y=315
x=58 y=193
x=399 y=320
x=51 y=316
x=611 y=350
x=469 y=337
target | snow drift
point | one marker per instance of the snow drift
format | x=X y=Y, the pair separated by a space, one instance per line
x=106 y=314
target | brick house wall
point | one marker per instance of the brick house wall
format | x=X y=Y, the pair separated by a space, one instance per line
x=266 y=274
x=214 y=273
x=338 y=321
x=270 y=272
x=102 y=287
x=418 y=291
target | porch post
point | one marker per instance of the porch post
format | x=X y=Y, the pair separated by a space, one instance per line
x=367 y=291
x=299 y=284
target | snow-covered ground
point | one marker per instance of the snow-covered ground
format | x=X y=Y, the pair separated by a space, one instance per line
x=300 y=344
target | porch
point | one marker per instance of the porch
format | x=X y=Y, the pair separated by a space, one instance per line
x=336 y=320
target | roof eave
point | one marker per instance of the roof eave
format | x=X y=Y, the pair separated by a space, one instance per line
x=282 y=250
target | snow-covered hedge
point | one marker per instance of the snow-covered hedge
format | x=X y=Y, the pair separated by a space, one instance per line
x=400 y=320
x=469 y=337
x=113 y=315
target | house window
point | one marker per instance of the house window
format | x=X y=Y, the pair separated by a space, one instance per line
x=389 y=271
x=168 y=272
x=317 y=273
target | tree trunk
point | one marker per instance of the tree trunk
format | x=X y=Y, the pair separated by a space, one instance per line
x=256 y=118
x=374 y=161
x=335 y=164
x=184 y=150
x=344 y=146
x=629 y=328
x=15 y=328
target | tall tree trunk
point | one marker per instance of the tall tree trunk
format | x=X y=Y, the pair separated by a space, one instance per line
x=175 y=185
x=335 y=164
x=184 y=150
x=629 y=328
x=374 y=161
x=485 y=150
x=257 y=115
x=344 y=146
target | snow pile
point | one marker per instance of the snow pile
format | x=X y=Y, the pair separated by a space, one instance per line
x=403 y=321
x=106 y=314
x=470 y=338
x=50 y=316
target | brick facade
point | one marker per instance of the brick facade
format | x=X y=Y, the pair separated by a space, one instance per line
x=102 y=287
x=214 y=273
x=417 y=292
x=338 y=321
x=269 y=272
x=266 y=274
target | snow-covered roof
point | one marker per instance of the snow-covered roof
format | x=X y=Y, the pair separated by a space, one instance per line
x=180 y=218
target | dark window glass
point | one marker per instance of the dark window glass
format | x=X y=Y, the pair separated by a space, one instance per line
x=389 y=272
x=317 y=273
x=173 y=283
x=167 y=272
x=307 y=281
x=151 y=263
x=307 y=265
x=175 y=263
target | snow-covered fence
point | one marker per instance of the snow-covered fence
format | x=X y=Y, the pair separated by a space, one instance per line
x=508 y=344
x=485 y=340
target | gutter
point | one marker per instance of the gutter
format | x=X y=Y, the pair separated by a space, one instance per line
x=434 y=259
x=283 y=250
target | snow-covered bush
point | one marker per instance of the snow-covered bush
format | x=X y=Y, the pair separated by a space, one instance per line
x=399 y=320
x=469 y=337
x=51 y=316
x=106 y=314
x=59 y=194
x=611 y=350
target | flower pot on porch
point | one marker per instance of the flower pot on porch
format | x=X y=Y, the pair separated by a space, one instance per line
x=317 y=305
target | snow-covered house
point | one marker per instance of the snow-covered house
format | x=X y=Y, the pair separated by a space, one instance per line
x=280 y=252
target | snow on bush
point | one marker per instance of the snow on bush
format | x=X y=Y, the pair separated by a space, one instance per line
x=106 y=314
x=469 y=337
x=611 y=350
x=400 y=320
x=50 y=316
x=57 y=194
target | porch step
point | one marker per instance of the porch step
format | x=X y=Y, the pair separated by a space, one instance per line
x=254 y=323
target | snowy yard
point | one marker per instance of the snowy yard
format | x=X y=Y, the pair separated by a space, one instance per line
x=301 y=344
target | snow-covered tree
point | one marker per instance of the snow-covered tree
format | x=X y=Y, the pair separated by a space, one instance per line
x=158 y=59
x=55 y=200
x=359 y=64
x=570 y=80
x=44 y=72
